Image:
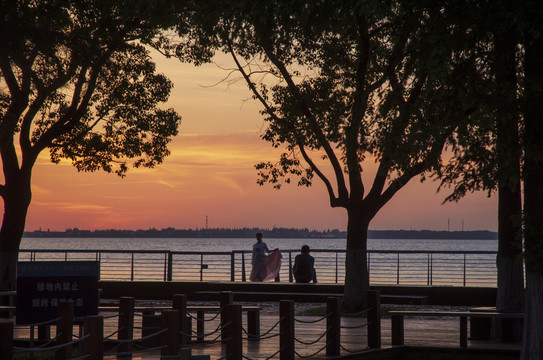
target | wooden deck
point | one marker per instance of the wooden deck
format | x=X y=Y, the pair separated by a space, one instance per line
x=438 y=332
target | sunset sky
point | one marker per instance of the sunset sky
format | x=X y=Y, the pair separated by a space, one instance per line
x=210 y=172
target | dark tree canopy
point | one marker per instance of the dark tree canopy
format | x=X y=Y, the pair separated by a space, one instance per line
x=345 y=82
x=76 y=79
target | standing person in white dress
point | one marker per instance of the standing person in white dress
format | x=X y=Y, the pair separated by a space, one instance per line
x=266 y=263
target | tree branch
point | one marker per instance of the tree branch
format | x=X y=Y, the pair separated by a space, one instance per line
x=414 y=170
x=358 y=110
x=299 y=141
x=338 y=170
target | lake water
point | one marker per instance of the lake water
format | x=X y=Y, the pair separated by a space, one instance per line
x=230 y=244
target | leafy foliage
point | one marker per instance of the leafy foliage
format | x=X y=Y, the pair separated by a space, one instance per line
x=76 y=79
x=344 y=82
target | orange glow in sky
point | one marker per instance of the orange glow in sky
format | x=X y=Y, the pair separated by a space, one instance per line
x=210 y=172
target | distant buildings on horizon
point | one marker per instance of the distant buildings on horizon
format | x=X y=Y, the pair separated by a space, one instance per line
x=268 y=233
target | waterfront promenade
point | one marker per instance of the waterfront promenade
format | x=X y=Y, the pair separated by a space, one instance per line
x=432 y=333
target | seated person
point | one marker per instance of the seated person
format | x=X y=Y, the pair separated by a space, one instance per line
x=303 y=269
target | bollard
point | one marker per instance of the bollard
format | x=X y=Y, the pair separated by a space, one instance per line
x=397 y=329
x=150 y=324
x=126 y=325
x=64 y=329
x=286 y=329
x=463 y=332
x=170 y=339
x=253 y=325
x=374 y=319
x=225 y=298
x=179 y=303
x=94 y=345
x=200 y=324
x=232 y=317
x=44 y=332
x=333 y=326
x=6 y=339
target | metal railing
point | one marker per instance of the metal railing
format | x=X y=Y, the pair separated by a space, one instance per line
x=454 y=268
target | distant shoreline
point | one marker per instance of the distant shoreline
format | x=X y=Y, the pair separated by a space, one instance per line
x=281 y=233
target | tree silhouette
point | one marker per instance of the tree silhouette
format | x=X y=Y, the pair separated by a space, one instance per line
x=76 y=80
x=344 y=83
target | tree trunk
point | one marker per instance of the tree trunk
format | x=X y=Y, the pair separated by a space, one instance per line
x=510 y=296
x=356 y=265
x=16 y=201
x=532 y=347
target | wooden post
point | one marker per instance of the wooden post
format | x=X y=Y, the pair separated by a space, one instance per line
x=225 y=298
x=200 y=325
x=286 y=329
x=253 y=325
x=150 y=324
x=6 y=339
x=94 y=345
x=374 y=319
x=179 y=303
x=126 y=324
x=64 y=329
x=397 y=329
x=333 y=326
x=232 y=328
x=44 y=332
x=170 y=321
x=463 y=332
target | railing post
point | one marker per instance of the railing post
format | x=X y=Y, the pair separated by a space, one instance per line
x=431 y=269
x=201 y=267
x=286 y=329
x=132 y=268
x=369 y=266
x=94 y=345
x=398 y=270
x=428 y=273
x=170 y=266
x=337 y=268
x=464 y=270
x=225 y=298
x=165 y=266
x=126 y=324
x=290 y=277
x=333 y=326
x=179 y=303
x=64 y=329
x=243 y=276
x=170 y=339
x=6 y=339
x=374 y=319
x=100 y=266
x=232 y=267
x=232 y=329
